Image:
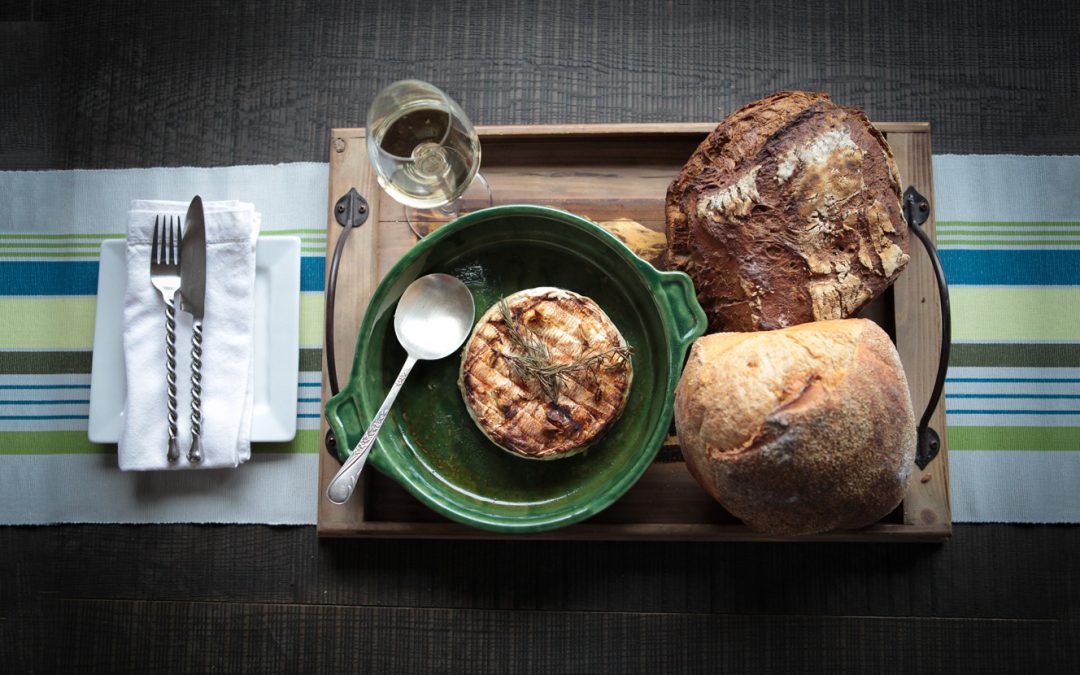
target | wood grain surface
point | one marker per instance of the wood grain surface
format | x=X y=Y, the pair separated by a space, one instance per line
x=112 y=84
x=918 y=335
x=202 y=82
x=194 y=598
x=620 y=172
x=356 y=282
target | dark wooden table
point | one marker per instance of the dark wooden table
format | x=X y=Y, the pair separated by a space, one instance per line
x=122 y=84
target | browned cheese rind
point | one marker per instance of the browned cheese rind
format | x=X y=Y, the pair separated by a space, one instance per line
x=514 y=414
x=788 y=212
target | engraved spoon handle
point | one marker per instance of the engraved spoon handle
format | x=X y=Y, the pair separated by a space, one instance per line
x=341 y=486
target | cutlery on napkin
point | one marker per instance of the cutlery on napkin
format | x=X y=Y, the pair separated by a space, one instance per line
x=193 y=301
x=231 y=229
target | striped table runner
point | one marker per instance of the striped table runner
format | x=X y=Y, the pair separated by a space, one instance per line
x=51 y=227
x=1009 y=229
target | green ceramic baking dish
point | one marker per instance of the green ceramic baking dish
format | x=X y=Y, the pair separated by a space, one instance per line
x=431 y=446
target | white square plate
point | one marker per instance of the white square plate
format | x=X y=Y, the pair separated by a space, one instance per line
x=276 y=341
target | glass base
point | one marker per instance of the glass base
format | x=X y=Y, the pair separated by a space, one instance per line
x=425 y=221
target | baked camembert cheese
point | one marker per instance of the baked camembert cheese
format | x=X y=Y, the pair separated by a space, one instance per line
x=545 y=373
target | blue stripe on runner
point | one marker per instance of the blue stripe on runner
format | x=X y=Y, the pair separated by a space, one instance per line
x=1013 y=379
x=44 y=417
x=44 y=386
x=1013 y=395
x=59 y=402
x=319 y=384
x=316 y=400
x=80 y=277
x=43 y=277
x=311 y=272
x=998 y=267
x=1012 y=412
x=308 y=416
x=962 y=266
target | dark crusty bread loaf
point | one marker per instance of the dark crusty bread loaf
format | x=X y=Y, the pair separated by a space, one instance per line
x=799 y=430
x=788 y=212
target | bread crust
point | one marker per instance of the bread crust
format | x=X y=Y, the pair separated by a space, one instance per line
x=800 y=430
x=788 y=212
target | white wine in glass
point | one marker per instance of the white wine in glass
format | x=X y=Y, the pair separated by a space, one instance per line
x=425 y=152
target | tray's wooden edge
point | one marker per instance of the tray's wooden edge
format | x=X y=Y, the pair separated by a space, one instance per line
x=633 y=129
x=882 y=532
x=926 y=501
x=349 y=167
x=544 y=131
x=927 y=516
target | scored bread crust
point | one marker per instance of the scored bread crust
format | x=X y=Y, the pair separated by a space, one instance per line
x=513 y=414
x=800 y=430
x=788 y=212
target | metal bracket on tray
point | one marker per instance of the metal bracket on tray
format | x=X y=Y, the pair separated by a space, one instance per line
x=350 y=212
x=916 y=211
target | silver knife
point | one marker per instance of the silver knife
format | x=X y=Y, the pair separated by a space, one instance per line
x=192 y=296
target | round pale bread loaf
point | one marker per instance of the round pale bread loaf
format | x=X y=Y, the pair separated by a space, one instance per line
x=800 y=430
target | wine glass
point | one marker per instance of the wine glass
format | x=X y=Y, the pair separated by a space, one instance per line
x=425 y=152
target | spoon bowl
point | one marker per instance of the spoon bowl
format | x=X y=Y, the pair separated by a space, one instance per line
x=433 y=317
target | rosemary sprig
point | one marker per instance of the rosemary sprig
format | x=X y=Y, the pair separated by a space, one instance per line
x=535 y=364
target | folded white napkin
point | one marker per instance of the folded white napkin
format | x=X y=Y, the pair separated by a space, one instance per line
x=227 y=376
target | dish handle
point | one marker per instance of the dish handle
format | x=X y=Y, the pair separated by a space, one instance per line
x=680 y=299
x=342 y=413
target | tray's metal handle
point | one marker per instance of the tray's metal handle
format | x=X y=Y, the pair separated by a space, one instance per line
x=916 y=211
x=350 y=212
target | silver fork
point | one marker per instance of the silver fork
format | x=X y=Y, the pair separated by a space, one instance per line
x=165 y=275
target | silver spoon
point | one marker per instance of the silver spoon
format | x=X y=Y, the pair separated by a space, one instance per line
x=433 y=318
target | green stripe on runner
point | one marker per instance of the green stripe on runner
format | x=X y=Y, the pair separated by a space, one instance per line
x=1059 y=439
x=67 y=322
x=311 y=319
x=1006 y=233
x=93 y=254
x=307 y=442
x=51 y=443
x=67 y=244
x=31 y=235
x=944 y=241
x=1027 y=224
x=1015 y=313
x=311 y=360
x=76 y=443
x=79 y=362
x=96 y=239
x=313 y=231
x=45 y=363
x=1002 y=355
x=300 y=230
x=90 y=255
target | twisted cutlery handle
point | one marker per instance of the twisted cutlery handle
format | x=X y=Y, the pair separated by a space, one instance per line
x=170 y=375
x=195 y=455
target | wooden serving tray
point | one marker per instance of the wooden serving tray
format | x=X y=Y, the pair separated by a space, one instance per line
x=607 y=172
